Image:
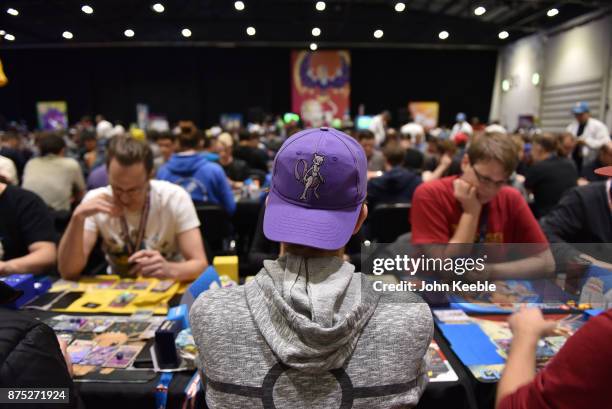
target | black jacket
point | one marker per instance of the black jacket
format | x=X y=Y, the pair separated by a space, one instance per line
x=582 y=216
x=30 y=357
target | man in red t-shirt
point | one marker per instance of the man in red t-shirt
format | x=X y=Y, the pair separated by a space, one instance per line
x=478 y=206
x=577 y=377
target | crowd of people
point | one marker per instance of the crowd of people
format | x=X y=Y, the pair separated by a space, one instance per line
x=136 y=193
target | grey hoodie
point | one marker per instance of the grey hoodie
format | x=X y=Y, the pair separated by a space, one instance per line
x=311 y=333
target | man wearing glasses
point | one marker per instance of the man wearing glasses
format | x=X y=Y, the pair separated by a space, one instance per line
x=148 y=227
x=479 y=207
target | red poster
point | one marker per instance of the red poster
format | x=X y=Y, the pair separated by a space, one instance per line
x=320 y=88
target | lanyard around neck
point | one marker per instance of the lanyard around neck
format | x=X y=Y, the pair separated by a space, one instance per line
x=142 y=226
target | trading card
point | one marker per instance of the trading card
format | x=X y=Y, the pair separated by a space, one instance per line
x=141 y=285
x=103 y=285
x=129 y=327
x=162 y=286
x=98 y=355
x=70 y=324
x=79 y=349
x=122 y=300
x=124 y=285
x=96 y=325
x=123 y=357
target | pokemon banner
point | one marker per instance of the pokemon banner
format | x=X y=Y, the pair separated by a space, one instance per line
x=52 y=115
x=320 y=86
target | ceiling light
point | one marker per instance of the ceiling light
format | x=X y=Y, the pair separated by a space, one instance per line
x=399 y=7
x=506 y=85
x=2 y=32
x=87 y=9
x=443 y=35
x=320 y=5
x=535 y=78
x=186 y=32
x=239 y=5
x=479 y=11
x=129 y=33
x=378 y=34
x=313 y=46
x=9 y=37
x=158 y=8
x=503 y=35
x=251 y=31
x=552 y=12
x=67 y=35
x=12 y=11
x=316 y=31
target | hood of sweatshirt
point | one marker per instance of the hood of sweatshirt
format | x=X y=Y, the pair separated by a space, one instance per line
x=185 y=165
x=311 y=311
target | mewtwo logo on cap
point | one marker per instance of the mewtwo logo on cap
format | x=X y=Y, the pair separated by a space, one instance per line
x=310 y=177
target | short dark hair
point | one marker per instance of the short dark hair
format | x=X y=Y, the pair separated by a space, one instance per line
x=50 y=143
x=165 y=135
x=129 y=151
x=365 y=135
x=394 y=154
x=189 y=138
x=495 y=146
x=548 y=141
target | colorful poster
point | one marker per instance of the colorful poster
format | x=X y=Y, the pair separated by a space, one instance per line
x=425 y=113
x=52 y=115
x=320 y=88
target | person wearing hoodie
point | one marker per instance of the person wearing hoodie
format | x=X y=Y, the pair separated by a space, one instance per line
x=205 y=181
x=309 y=332
x=397 y=184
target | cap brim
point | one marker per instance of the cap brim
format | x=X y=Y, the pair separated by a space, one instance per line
x=605 y=171
x=318 y=228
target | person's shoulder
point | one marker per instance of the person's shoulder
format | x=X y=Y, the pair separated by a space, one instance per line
x=442 y=186
x=218 y=306
x=407 y=314
x=165 y=192
x=97 y=192
x=22 y=196
x=511 y=196
x=69 y=163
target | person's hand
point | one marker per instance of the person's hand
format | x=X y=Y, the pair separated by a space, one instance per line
x=446 y=160
x=100 y=204
x=64 y=348
x=150 y=263
x=466 y=194
x=582 y=182
x=7 y=268
x=530 y=323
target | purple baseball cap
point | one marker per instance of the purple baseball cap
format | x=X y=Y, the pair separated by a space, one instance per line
x=319 y=184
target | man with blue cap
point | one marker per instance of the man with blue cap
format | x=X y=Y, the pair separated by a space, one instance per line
x=591 y=132
x=462 y=126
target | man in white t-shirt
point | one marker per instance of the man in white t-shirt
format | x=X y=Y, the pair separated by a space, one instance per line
x=462 y=126
x=56 y=179
x=148 y=227
x=589 y=131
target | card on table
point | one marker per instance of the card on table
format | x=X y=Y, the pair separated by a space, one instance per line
x=122 y=300
x=162 y=286
x=123 y=357
x=99 y=355
x=79 y=349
